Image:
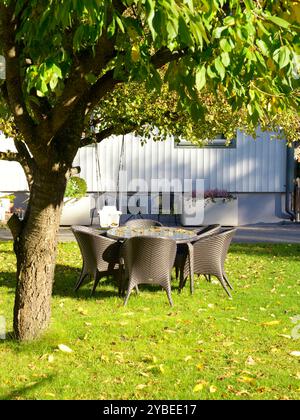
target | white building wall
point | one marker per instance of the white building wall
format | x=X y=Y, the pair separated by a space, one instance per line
x=253 y=166
x=12 y=177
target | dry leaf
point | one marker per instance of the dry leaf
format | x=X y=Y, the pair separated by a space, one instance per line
x=162 y=369
x=141 y=386
x=228 y=343
x=288 y=337
x=270 y=323
x=187 y=358
x=200 y=366
x=250 y=361
x=198 y=387
x=212 y=389
x=82 y=311
x=50 y=394
x=246 y=380
x=50 y=358
x=169 y=331
x=295 y=353
x=64 y=348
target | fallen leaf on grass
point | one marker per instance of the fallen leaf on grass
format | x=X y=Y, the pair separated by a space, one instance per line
x=200 y=366
x=50 y=358
x=241 y=319
x=270 y=323
x=228 y=343
x=64 y=348
x=250 y=361
x=141 y=386
x=82 y=311
x=213 y=389
x=246 y=380
x=50 y=394
x=169 y=331
x=198 y=388
x=288 y=337
x=187 y=358
x=295 y=353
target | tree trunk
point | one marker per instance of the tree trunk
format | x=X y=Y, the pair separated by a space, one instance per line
x=36 y=254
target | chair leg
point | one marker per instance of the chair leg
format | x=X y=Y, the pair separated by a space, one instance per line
x=96 y=282
x=121 y=281
x=176 y=272
x=181 y=282
x=79 y=282
x=129 y=290
x=227 y=281
x=207 y=277
x=168 y=290
x=224 y=286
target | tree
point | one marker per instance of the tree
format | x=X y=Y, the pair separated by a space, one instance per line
x=62 y=58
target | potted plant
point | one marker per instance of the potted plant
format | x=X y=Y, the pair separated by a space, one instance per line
x=220 y=206
x=76 y=209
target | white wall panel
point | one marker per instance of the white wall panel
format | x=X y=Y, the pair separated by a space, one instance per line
x=253 y=166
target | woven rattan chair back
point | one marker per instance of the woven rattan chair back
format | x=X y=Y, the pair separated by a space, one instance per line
x=208 y=230
x=142 y=223
x=209 y=256
x=149 y=260
x=100 y=254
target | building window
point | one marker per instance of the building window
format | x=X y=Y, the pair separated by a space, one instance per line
x=219 y=142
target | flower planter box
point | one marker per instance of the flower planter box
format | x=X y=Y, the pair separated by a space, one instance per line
x=223 y=212
x=76 y=211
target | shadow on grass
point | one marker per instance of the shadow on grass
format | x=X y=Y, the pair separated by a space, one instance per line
x=20 y=392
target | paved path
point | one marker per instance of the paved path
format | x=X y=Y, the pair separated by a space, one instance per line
x=271 y=233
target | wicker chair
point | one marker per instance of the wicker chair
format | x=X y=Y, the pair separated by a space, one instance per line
x=208 y=258
x=148 y=260
x=100 y=256
x=142 y=223
x=183 y=249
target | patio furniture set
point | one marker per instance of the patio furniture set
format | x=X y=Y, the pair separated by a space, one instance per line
x=145 y=252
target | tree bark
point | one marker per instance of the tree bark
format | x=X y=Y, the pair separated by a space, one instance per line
x=35 y=249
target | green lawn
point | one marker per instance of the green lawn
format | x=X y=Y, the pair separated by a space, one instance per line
x=206 y=347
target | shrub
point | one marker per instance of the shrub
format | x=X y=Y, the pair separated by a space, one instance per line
x=76 y=188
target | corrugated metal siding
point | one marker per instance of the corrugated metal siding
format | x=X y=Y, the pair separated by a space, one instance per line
x=254 y=166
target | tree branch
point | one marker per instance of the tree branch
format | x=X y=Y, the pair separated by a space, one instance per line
x=77 y=86
x=13 y=73
x=10 y=156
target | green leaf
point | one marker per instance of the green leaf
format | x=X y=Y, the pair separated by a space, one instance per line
x=218 y=31
x=220 y=67
x=225 y=45
x=263 y=47
x=278 y=21
x=200 y=78
x=225 y=59
x=229 y=21
x=282 y=56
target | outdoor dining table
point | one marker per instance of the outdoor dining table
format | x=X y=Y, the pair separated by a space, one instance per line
x=179 y=235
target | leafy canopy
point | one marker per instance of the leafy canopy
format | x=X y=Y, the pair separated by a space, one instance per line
x=245 y=51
